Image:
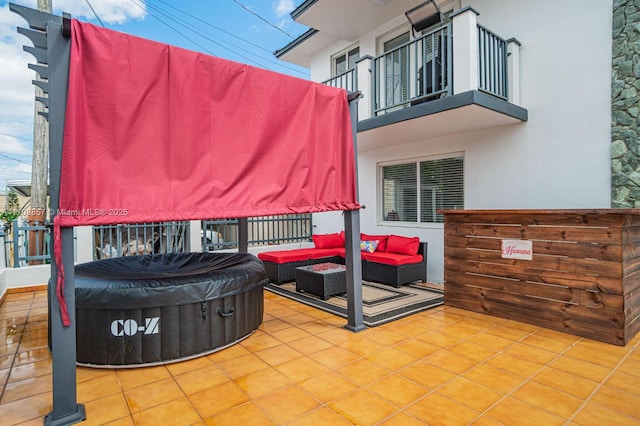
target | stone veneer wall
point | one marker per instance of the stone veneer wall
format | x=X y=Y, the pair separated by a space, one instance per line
x=625 y=109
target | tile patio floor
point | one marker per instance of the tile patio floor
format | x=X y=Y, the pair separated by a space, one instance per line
x=445 y=366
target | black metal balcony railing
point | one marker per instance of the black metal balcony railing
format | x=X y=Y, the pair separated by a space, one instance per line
x=414 y=72
x=422 y=69
x=347 y=80
x=492 y=66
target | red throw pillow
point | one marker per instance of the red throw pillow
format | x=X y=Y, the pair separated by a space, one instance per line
x=382 y=241
x=327 y=240
x=402 y=245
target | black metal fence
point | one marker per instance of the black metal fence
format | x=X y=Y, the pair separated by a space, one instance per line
x=26 y=244
x=264 y=230
x=144 y=238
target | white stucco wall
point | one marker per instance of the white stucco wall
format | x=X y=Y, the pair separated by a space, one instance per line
x=560 y=158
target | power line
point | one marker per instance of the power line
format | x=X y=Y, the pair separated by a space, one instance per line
x=190 y=27
x=17 y=137
x=14 y=159
x=192 y=41
x=261 y=18
x=94 y=12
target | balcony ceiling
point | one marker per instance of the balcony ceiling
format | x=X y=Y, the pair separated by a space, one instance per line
x=349 y=19
x=467 y=112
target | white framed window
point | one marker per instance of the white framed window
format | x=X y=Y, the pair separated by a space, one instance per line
x=345 y=61
x=414 y=190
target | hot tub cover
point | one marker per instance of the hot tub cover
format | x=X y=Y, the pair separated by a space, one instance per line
x=150 y=281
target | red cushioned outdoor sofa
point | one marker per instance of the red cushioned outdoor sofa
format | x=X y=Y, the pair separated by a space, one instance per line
x=389 y=259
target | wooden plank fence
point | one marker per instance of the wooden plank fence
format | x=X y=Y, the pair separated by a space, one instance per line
x=583 y=276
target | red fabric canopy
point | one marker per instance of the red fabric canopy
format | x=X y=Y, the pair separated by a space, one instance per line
x=156 y=133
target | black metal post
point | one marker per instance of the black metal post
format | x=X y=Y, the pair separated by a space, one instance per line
x=353 y=259
x=243 y=235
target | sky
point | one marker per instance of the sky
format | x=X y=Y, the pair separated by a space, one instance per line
x=246 y=31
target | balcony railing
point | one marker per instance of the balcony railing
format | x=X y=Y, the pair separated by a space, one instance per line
x=424 y=69
x=348 y=80
x=415 y=72
x=492 y=52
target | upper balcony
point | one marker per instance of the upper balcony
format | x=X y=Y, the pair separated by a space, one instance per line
x=457 y=78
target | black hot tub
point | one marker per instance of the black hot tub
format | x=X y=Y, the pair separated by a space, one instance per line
x=146 y=310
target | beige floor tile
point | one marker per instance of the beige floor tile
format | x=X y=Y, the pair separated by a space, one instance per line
x=107 y=409
x=624 y=382
x=277 y=355
x=362 y=346
x=301 y=369
x=26 y=388
x=401 y=419
x=287 y=404
x=595 y=414
x=417 y=348
x=134 y=377
x=451 y=361
x=26 y=409
x=383 y=337
x=435 y=409
x=178 y=412
x=299 y=318
x=531 y=353
x=547 y=398
x=566 y=382
x=510 y=333
x=334 y=357
x=215 y=400
x=472 y=350
x=328 y=386
x=580 y=368
x=397 y=390
x=515 y=365
x=182 y=367
x=362 y=372
x=232 y=352
x=32 y=356
x=618 y=400
x=256 y=342
x=495 y=378
x=485 y=421
x=84 y=374
x=30 y=370
x=458 y=330
x=598 y=357
x=631 y=367
x=242 y=366
x=248 y=414
x=426 y=375
x=436 y=338
x=273 y=325
x=362 y=407
x=514 y=412
x=98 y=387
x=470 y=394
x=153 y=394
x=311 y=344
x=290 y=334
x=391 y=359
x=315 y=327
x=263 y=382
x=320 y=416
x=551 y=340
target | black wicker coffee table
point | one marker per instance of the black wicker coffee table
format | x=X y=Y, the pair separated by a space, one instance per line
x=323 y=279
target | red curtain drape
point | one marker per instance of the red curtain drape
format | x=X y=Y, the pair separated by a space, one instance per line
x=157 y=133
